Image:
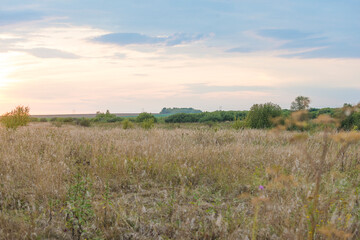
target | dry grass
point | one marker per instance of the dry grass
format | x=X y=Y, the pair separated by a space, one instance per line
x=177 y=184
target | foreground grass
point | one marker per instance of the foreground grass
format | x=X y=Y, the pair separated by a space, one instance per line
x=97 y=183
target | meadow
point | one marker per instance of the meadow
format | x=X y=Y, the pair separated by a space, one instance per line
x=178 y=182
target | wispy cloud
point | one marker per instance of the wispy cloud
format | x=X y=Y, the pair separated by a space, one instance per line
x=51 y=53
x=292 y=43
x=141 y=39
x=333 y=50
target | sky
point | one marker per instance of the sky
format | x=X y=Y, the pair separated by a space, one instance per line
x=77 y=56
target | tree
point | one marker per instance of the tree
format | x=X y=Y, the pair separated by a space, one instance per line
x=260 y=115
x=300 y=103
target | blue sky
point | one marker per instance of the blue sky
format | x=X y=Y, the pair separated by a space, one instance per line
x=314 y=47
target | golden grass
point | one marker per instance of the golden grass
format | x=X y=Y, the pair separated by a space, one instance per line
x=178 y=183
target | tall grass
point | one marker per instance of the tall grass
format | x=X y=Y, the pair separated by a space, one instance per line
x=179 y=184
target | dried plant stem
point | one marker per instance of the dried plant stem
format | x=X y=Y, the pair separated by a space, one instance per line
x=319 y=172
x=255 y=226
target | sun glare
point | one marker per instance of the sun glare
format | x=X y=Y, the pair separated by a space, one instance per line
x=6 y=69
x=3 y=81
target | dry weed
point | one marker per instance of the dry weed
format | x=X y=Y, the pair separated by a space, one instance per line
x=179 y=183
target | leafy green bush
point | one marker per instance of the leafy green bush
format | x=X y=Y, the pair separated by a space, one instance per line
x=315 y=112
x=260 y=115
x=43 y=120
x=239 y=124
x=126 y=124
x=145 y=116
x=84 y=122
x=350 y=118
x=211 y=117
x=16 y=118
x=106 y=117
x=217 y=116
x=148 y=123
x=67 y=120
x=183 y=118
x=34 y=119
x=64 y=119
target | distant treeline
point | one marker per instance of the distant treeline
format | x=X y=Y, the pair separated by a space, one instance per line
x=179 y=110
x=271 y=115
x=217 y=116
x=223 y=116
x=259 y=116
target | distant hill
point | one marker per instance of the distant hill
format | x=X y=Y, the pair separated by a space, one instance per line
x=179 y=110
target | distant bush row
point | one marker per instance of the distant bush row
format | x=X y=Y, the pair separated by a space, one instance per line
x=217 y=116
x=179 y=110
x=270 y=115
x=260 y=116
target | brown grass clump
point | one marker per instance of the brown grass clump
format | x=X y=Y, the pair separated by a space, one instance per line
x=184 y=183
x=331 y=232
x=347 y=137
x=325 y=119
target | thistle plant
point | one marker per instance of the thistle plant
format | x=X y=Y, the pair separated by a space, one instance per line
x=78 y=207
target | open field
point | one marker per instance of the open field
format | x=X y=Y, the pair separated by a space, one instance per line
x=72 y=182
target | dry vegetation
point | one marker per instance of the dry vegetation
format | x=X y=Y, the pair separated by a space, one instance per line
x=96 y=183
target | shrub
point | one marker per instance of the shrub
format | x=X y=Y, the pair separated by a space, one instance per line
x=260 y=115
x=84 y=122
x=67 y=119
x=78 y=208
x=16 y=118
x=126 y=124
x=350 y=117
x=34 y=119
x=211 y=117
x=145 y=116
x=43 y=120
x=298 y=121
x=106 y=117
x=184 y=118
x=238 y=124
x=148 y=123
x=217 y=116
